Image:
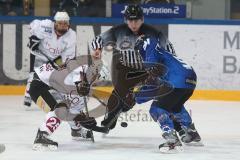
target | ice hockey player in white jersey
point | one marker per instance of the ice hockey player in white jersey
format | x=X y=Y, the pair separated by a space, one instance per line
x=53 y=44
x=62 y=93
x=53 y=39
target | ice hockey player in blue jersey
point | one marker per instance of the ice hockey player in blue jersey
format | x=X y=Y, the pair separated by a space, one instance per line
x=166 y=109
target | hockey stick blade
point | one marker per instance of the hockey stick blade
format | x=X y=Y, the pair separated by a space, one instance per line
x=100 y=129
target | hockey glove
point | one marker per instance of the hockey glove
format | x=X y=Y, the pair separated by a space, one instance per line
x=87 y=122
x=97 y=43
x=33 y=43
x=83 y=87
x=157 y=70
x=57 y=63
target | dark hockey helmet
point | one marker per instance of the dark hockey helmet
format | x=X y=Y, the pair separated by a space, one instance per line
x=133 y=11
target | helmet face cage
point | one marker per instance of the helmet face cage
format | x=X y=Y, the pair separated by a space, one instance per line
x=133 y=12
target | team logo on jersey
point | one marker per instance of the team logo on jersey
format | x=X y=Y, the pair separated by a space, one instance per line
x=125 y=44
x=110 y=45
x=47 y=29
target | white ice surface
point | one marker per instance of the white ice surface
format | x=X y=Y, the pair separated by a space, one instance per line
x=216 y=121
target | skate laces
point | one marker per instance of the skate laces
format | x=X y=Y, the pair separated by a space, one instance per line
x=43 y=137
x=46 y=137
x=83 y=132
x=170 y=136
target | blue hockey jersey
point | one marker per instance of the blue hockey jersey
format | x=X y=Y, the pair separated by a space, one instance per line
x=179 y=74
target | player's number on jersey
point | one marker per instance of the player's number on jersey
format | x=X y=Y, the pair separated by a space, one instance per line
x=52 y=123
x=146 y=43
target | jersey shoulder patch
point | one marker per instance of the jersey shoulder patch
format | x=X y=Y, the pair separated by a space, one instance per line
x=42 y=28
x=46 y=26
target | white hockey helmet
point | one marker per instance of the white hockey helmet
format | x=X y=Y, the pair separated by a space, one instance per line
x=61 y=16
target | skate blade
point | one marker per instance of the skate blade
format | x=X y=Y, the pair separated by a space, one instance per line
x=81 y=139
x=77 y=138
x=41 y=147
x=104 y=135
x=196 y=144
x=28 y=108
x=167 y=150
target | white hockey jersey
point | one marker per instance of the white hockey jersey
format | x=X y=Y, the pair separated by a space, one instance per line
x=50 y=44
x=62 y=90
x=63 y=81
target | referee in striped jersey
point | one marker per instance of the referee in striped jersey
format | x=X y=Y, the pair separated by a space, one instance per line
x=127 y=68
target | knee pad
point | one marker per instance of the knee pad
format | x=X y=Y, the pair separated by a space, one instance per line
x=162 y=117
x=40 y=94
x=183 y=117
x=62 y=112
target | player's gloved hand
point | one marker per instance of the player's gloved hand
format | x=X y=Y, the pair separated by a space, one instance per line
x=141 y=43
x=97 y=43
x=83 y=87
x=157 y=70
x=33 y=43
x=57 y=63
x=87 y=122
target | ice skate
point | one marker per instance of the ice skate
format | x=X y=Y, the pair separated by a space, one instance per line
x=110 y=119
x=190 y=136
x=81 y=133
x=42 y=142
x=27 y=100
x=110 y=122
x=172 y=144
x=2 y=148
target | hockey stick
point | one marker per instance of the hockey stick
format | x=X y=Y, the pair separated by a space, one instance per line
x=85 y=103
x=64 y=114
x=95 y=128
x=85 y=99
x=87 y=113
x=39 y=54
x=52 y=62
x=104 y=129
x=100 y=101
